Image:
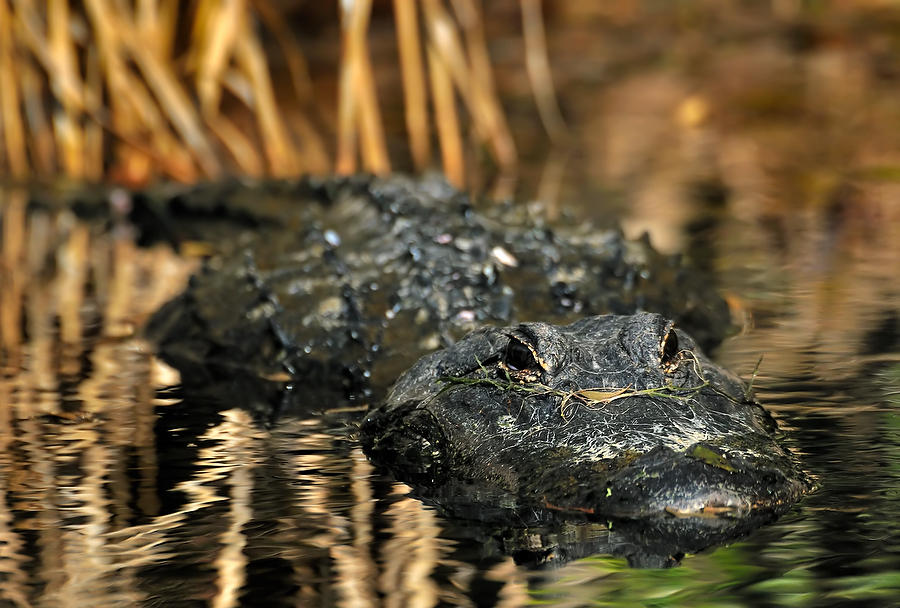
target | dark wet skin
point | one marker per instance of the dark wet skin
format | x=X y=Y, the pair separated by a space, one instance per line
x=611 y=416
x=357 y=277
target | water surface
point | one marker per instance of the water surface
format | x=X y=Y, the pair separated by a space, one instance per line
x=117 y=489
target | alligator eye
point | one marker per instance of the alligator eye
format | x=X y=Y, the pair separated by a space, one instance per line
x=669 y=348
x=518 y=356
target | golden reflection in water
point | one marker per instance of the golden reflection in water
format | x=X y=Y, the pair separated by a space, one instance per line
x=515 y=588
x=411 y=555
x=89 y=560
x=830 y=289
x=79 y=503
x=334 y=525
x=74 y=403
x=321 y=483
x=72 y=263
x=233 y=456
x=12 y=557
x=355 y=570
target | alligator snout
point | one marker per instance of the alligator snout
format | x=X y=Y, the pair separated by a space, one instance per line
x=700 y=482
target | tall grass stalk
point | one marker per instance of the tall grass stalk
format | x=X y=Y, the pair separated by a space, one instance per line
x=129 y=92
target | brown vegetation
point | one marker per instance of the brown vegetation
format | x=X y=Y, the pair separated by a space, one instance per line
x=130 y=91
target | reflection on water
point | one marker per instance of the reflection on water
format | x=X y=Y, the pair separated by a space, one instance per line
x=822 y=310
x=117 y=491
x=78 y=459
x=777 y=171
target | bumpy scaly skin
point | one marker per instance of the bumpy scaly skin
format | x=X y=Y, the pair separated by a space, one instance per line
x=616 y=416
x=364 y=275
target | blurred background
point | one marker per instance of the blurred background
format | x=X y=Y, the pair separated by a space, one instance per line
x=642 y=103
x=761 y=139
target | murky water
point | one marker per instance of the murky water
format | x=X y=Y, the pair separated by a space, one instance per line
x=115 y=490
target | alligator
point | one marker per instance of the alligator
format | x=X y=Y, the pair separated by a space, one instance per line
x=533 y=436
x=614 y=417
x=338 y=291
x=524 y=405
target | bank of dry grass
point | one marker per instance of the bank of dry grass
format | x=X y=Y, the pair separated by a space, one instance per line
x=131 y=91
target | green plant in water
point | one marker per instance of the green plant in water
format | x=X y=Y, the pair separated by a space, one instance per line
x=748 y=394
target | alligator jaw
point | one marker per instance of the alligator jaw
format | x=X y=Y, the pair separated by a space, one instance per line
x=666 y=483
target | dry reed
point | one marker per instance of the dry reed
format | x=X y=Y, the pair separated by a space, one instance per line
x=130 y=92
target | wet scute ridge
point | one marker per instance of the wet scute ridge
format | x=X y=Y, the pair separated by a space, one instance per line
x=375 y=272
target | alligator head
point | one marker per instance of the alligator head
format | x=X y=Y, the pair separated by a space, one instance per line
x=611 y=416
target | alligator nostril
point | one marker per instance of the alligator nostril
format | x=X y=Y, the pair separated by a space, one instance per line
x=669 y=348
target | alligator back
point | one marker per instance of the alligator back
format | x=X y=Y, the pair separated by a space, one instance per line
x=364 y=275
